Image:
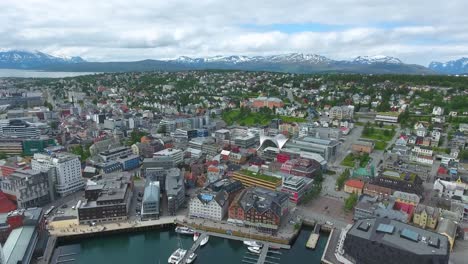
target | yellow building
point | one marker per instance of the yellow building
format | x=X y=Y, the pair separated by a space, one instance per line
x=426 y=216
x=249 y=178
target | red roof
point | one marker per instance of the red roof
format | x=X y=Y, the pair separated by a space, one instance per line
x=5 y=204
x=355 y=183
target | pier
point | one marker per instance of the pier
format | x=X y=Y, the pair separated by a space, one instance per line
x=263 y=257
x=194 y=247
x=314 y=237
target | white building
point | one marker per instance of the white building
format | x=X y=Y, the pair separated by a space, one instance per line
x=17 y=128
x=176 y=155
x=65 y=169
x=209 y=205
x=438 y=111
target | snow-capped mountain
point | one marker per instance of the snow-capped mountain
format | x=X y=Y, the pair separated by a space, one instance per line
x=459 y=66
x=235 y=59
x=23 y=59
x=377 y=59
x=290 y=62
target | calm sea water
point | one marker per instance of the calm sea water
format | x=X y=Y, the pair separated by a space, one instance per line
x=39 y=74
x=157 y=246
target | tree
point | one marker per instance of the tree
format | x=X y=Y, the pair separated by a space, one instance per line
x=48 y=105
x=342 y=179
x=351 y=201
x=162 y=129
x=3 y=155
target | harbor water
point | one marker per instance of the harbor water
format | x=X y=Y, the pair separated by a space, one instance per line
x=156 y=247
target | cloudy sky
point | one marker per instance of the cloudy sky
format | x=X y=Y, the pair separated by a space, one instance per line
x=416 y=31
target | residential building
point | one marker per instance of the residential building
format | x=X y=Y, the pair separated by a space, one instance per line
x=65 y=169
x=107 y=199
x=260 y=208
x=341 y=112
x=175 y=190
x=150 y=201
x=354 y=186
x=386 y=241
x=426 y=216
x=28 y=188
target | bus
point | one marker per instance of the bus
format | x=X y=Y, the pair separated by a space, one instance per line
x=47 y=213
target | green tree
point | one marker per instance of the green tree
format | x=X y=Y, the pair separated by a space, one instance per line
x=351 y=201
x=3 y=155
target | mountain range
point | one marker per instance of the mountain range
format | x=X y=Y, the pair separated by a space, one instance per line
x=292 y=62
x=459 y=66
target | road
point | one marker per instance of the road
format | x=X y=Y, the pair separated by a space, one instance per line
x=345 y=147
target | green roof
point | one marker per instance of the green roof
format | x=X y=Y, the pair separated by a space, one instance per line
x=261 y=176
x=389 y=113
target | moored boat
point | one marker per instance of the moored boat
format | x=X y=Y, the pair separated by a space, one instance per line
x=184 y=230
x=177 y=256
x=252 y=243
x=196 y=236
x=255 y=250
x=204 y=241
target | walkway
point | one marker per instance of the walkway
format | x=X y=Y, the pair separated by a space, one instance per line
x=194 y=247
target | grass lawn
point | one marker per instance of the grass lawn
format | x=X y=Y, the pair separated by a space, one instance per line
x=351 y=159
x=253 y=118
x=261 y=176
x=379 y=135
x=380 y=145
x=348 y=161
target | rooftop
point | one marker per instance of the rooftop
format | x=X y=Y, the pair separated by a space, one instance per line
x=17 y=244
x=396 y=234
x=260 y=176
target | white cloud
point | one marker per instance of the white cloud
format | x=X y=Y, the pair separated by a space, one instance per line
x=416 y=31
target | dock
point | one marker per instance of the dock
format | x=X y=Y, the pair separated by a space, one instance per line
x=263 y=257
x=314 y=237
x=194 y=247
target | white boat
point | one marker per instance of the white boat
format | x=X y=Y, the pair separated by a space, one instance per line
x=191 y=258
x=177 y=256
x=184 y=230
x=196 y=236
x=255 y=250
x=204 y=241
x=252 y=243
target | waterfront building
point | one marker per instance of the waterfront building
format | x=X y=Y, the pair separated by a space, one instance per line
x=150 y=201
x=387 y=241
x=107 y=199
x=65 y=169
x=249 y=178
x=28 y=188
x=175 y=190
x=260 y=208
x=209 y=205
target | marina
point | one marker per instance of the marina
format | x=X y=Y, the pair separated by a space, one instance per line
x=157 y=245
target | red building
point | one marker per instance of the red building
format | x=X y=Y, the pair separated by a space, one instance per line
x=269 y=102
